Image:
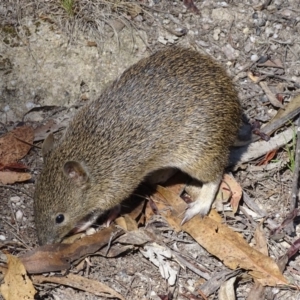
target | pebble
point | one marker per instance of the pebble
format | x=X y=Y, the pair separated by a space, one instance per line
x=19 y=215
x=246 y=30
x=15 y=199
x=90 y=231
x=162 y=40
x=230 y=52
x=202 y=43
x=216 y=34
x=191 y=283
x=222 y=4
x=248 y=47
x=254 y=57
x=30 y=105
x=2 y=237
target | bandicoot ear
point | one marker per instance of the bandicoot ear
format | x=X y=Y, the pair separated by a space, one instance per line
x=48 y=144
x=76 y=172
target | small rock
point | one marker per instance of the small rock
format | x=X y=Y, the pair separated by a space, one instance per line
x=261 y=22
x=217 y=32
x=246 y=30
x=30 y=105
x=223 y=4
x=287 y=13
x=222 y=14
x=272 y=8
x=19 y=215
x=230 y=52
x=162 y=40
x=138 y=18
x=269 y=32
x=202 y=43
x=278 y=2
x=2 y=237
x=15 y=199
x=191 y=283
x=257 y=31
x=248 y=47
x=254 y=57
x=206 y=26
x=90 y=231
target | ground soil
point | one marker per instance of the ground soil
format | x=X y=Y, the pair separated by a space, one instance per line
x=49 y=57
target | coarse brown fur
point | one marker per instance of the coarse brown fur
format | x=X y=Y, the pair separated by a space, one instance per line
x=176 y=108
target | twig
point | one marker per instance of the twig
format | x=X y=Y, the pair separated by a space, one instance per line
x=288 y=42
x=272 y=75
x=183 y=261
x=252 y=205
x=290 y=228
x=270 y=95
x=258 y=149
x=296 y=169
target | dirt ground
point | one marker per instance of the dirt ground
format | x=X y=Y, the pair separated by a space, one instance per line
x=55 y=57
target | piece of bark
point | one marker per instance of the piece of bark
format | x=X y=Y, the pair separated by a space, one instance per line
x=255 y=150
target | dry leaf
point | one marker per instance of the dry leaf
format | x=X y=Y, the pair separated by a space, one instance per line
x=226 y=291
x=254 y=78
x=260 y=239
x=190 y=5
x=221 y=241
x=293 y=105
x=276 y=63
x=14 y=166
x=273 y=100
x=9 y=177
x=230 y=189
x=126 y=223
x=224 y=193
x=17 y=284
x=92 y=43
x=15 y=144
x=82 y=283
x=161 y=256
x=51 y=126
x=138 y=237
x=257 y=292
x=56 y=257
x=268 y=157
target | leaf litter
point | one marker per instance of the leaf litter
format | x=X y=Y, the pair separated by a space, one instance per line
x=230 y=247
x=229 y=219
x=17 y=285
x=14 y=145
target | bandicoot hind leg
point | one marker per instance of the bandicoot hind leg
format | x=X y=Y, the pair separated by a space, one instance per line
x=203 y=201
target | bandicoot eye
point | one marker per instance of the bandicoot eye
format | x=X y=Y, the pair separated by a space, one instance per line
x=59 y=218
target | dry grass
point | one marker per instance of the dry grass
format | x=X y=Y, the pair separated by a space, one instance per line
x=95 y=18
